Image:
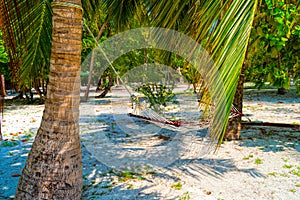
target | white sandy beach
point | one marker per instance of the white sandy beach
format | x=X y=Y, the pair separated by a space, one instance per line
x=264 y=165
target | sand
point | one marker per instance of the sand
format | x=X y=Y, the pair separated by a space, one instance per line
x=265 y=164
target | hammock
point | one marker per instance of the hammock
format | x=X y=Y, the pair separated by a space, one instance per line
x=152 y=116
x=234 y=112
x=152 y=119
x=141 y=111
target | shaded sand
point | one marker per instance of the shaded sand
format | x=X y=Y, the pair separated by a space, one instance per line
x=264 y=165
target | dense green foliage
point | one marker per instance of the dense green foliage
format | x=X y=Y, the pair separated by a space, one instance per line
x=28 y=43
x=3 y=54
x=273 y=55
x=29 y=24
x=4 y=60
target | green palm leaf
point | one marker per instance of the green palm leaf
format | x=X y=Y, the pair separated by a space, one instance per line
x=27 y=28
x=123 y=12
x=92 y=8
x=37 y=48
x=223 y=28
x=27 y=31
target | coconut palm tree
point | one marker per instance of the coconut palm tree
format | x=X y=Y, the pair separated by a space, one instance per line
x=53 y=167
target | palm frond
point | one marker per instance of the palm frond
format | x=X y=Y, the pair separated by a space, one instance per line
x=170 y=14
x=27 y=30
x=122 y=12
x=223 y=28
x=36 y=55
x=228 y=44
x=92 y=9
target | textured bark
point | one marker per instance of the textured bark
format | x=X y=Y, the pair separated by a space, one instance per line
x=53 y=167
x=234 y=124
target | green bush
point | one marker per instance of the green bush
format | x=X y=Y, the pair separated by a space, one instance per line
x=3 y=54
x=157 y=94
x=273 y=52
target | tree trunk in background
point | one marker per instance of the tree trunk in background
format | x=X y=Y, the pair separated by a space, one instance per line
x=281 y=91
x=109 y=85
x=234 y=124
x=53 y=169
x=86 y=94
x=88 y=85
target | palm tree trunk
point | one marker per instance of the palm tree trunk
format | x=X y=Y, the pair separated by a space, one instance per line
x=53 y=169
x=234 y=124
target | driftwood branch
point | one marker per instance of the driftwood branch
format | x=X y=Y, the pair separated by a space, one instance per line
x=282 y=125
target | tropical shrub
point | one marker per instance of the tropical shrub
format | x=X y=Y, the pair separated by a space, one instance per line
x=274 y=48
x=157 y=94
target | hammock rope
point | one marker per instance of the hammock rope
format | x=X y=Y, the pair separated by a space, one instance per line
x=173 y=123
x=234 y=112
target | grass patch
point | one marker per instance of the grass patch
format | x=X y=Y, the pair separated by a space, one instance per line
x=287 y=166
x=130 y=186
x=129 y=175
x=285 y=175
x=258 y=161
x=296 y=172
x=95 y=193
x=248 y=157
x=272 y=174
x=176 y=186
x=11 y=153
x=102 y=193
x=28 y=135
x=185 y=196
x=107 y=186
x=8 y=143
